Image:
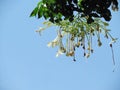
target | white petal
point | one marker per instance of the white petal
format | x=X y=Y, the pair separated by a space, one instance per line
x=40 y=29
x=59 y=53
x=54 y=44
x=49 y=44
x=56 y=39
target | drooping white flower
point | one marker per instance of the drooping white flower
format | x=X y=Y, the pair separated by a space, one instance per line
x=54 y=42
x=49 y=44
x=40 y=30
x=59 y=52
x=113 y=40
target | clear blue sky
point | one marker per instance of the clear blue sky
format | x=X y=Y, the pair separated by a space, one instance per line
x=26 y=63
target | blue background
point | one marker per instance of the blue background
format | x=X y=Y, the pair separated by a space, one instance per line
x=26 y=63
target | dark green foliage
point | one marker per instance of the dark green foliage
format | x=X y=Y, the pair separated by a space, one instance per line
x=57 y=10
x=34 y=12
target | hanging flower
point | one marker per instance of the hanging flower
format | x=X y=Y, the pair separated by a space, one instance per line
x=54 y=42
x=77 y=33
x=40 y=30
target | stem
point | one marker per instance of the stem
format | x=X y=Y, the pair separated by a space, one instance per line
x=112 y=54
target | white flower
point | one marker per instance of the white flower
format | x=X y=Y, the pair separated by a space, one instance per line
x=40 y=30
x=113 y=40
x=60 y=52
x=87 y=55
x=49 y=44
x=54 y=42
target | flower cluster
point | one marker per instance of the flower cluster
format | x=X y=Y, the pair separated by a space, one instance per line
x=78 y=33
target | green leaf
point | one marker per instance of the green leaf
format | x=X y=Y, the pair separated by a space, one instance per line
x=40 y=13
x=79 y=3
x=39 y=4
x=46 y=16
x=106 y=24
x=34 y=12
x=37 y=10
x=49 y=1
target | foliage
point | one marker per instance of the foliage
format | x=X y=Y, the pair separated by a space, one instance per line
x=78 y=21
x=57 y=10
